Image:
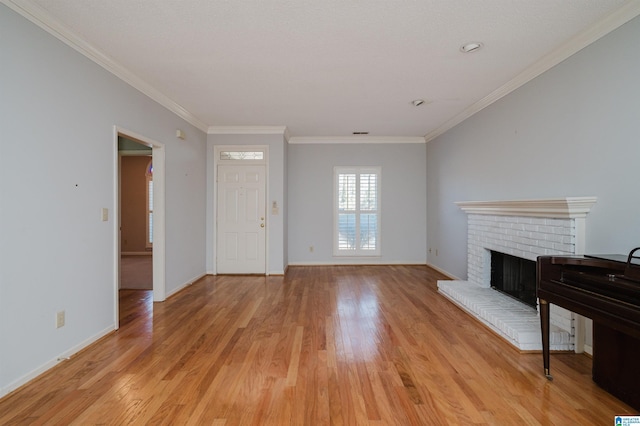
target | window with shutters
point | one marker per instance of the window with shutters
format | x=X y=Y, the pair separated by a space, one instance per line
x=356 y=211
x=149 y=203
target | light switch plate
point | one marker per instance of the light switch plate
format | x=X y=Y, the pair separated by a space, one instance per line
x=60 y=319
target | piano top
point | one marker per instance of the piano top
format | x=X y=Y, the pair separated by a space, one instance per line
x=601 y=287
x=611 y=257
x=606 y=275
x=592 y=261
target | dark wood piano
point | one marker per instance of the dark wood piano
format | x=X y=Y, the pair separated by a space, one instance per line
x=605 y=288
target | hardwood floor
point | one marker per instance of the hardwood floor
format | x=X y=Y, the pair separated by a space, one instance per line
x=337 y=345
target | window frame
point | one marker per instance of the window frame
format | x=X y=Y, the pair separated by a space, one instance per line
x=149 y=205
x=358 y=171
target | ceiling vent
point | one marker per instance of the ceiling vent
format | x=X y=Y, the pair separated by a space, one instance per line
x=471 y=47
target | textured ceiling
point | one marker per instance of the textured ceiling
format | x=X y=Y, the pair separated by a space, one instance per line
x=330 y=67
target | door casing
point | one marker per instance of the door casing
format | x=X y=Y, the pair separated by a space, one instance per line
x=159 y=256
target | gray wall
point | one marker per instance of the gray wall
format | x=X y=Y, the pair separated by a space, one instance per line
x=573 y=131
x=57 y=171
x=403 y=198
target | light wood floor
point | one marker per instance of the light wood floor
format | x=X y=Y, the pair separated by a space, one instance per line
x=324 y=345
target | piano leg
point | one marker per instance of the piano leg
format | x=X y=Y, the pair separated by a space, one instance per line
x=544 y=327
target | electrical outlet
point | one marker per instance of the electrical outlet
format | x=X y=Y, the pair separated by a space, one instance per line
x=59 y=319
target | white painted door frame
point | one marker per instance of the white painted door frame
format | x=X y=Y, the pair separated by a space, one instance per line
x=159 y=256
x=216 y=161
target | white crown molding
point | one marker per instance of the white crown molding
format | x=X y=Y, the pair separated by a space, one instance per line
x=42 y=19
x=615 y=19
x=248 y=130
x=355 y=139
x=558 y=208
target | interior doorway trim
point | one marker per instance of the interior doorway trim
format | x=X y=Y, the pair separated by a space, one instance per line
x=159 y=254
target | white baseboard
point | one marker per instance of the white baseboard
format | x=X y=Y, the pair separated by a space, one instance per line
x=442 y=271
x=185 y=285
x=268 y=274
x=588 y=350
x=52 y=363
x=355 y=262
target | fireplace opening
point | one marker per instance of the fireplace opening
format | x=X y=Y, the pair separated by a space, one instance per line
x=514 y=276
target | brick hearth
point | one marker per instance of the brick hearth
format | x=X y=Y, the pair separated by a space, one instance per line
x=526 y=229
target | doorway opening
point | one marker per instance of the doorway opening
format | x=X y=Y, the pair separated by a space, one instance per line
x=136 y=220
x=139 y=232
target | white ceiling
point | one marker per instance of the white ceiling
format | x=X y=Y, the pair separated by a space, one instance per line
x=328 y=68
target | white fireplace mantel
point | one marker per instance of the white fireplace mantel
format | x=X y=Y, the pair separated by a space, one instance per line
x=567 y=207
x=525 y=229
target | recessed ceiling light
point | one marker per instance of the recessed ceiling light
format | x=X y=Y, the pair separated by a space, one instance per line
x=471 y=47
x=417 y=102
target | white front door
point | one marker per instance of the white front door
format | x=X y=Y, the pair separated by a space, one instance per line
x=241 y=219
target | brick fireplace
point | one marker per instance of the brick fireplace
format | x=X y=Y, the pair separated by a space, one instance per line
x=525 y=229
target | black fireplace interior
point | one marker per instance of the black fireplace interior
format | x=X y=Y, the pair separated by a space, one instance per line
x=514 y=276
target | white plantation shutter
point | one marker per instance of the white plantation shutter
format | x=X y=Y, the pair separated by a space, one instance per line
x=149 y=174
x=150 y=239
x=357 y=211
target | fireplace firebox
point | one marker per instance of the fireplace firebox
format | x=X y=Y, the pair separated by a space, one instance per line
x=514 y=276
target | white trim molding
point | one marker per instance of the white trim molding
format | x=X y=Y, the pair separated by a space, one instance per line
x=567 y=207
x=67 y=354
x=602 y=27
x=248 y=130
x=42 y=19
x=355 y=139
x=354 y=261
